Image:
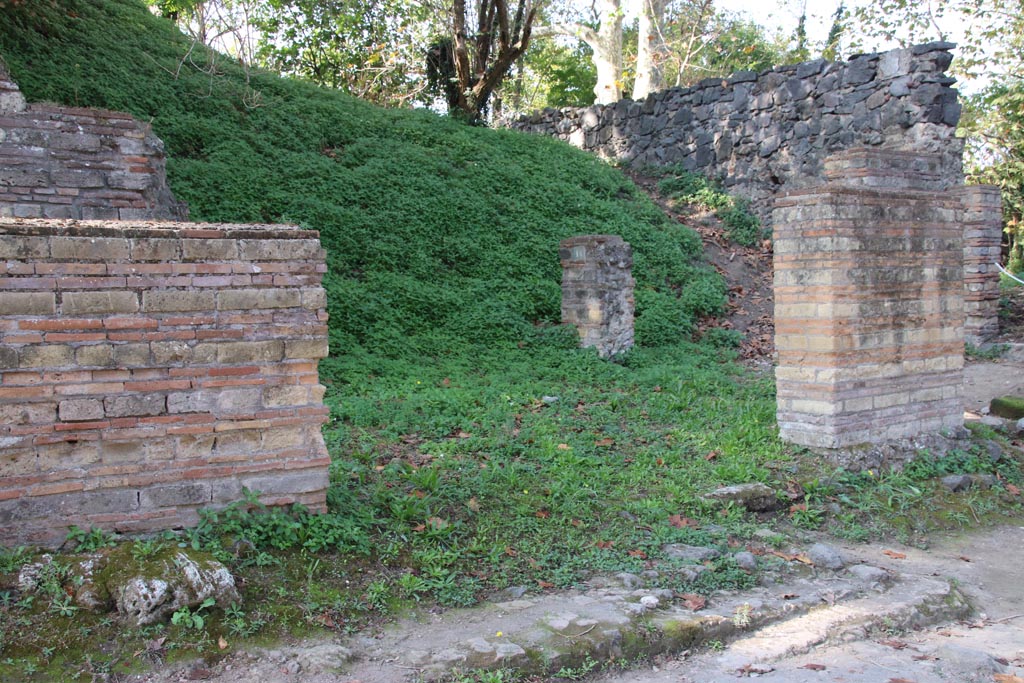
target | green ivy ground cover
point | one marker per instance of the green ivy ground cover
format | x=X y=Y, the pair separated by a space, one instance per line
x=474 y=446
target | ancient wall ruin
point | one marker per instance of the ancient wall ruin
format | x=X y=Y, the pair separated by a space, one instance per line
x=597 y=291
x=150 y=369
x=869 y=312
x=147 y=369
x=758 y=131
x=64 y=162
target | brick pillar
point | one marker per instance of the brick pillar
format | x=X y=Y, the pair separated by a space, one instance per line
x=597 y=291
x=983 y=227
x=869 y=302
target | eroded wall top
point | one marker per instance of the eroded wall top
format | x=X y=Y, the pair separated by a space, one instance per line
x=66 y=162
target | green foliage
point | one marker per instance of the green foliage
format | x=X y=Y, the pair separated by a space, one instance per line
x=82 y=541
x=282 y=529
x=11 y=560
x=441 y=239
x=192 y=619
x=692 y=188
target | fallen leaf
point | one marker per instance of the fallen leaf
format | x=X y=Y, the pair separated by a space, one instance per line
x=511 y=552
x=964 y=558
x=1007 y=678
x=1012 y=490
x=463 y=435
x=545 y=584
x=542 y=514
x=576 y=523
x=416 y=493
x=637 y=553
x=895 y=555
x=563 y=446
x=604 y=442
x=437 y=523
x=199 y=674
x=924 y=658
x=894 y=643
x=680 y=522
x=656 y=389
x=605 y=545
x=711 y=456
x=221 y=643
x=473 y=504
x=419 y=527
x=659 y=462
x=757 y=669
x=814 y=667
x=694 y=602
x=790 y=596
x=446 y=382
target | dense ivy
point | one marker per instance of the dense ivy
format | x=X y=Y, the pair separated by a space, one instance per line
x=441 y=238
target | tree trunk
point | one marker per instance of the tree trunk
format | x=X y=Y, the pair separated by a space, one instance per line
x=608 y=53
x=650 y=49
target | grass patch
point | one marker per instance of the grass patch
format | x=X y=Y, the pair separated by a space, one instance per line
x=686 y=187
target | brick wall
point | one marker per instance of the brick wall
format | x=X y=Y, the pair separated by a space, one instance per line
x=597 y=291
x=983 y=231
x=150 y=369
x=63 y=162
x=869 y=302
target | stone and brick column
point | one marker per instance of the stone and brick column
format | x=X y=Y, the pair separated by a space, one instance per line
x=148 y=370
x=597 y=291
x=869 y=302
x=983 y=230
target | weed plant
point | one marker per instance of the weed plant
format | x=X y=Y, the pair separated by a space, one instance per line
x=680 y=185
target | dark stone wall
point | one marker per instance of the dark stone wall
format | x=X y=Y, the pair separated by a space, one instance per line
x=758 y=131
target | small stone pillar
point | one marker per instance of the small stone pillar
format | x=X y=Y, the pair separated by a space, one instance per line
x=869 y=302
x=983 y=229
x=597 y=291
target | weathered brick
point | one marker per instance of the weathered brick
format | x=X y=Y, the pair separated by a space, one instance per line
x=314 y=298
x=274 y=397
x=53 y=356
x=248 y=299
x=96 y=355
x=198 y=250
x=28 y=303
x=24 y=247
x=145 y=404
x=80 y=409
x=280 y=249
x=222 y=401
x=131 y=355
x=156 y=249
x=106 y=302
x=162 y=301
x=306 y=348
x=89 y=248
x=171 y=352
x=192 y=493
x=239 y=353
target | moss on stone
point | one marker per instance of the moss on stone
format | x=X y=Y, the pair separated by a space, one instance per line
x=1010 y=407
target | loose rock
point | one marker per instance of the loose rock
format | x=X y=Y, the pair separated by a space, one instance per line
x=756 y=497
x=826 y=556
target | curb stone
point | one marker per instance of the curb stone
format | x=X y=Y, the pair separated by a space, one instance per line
x=607 y=622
